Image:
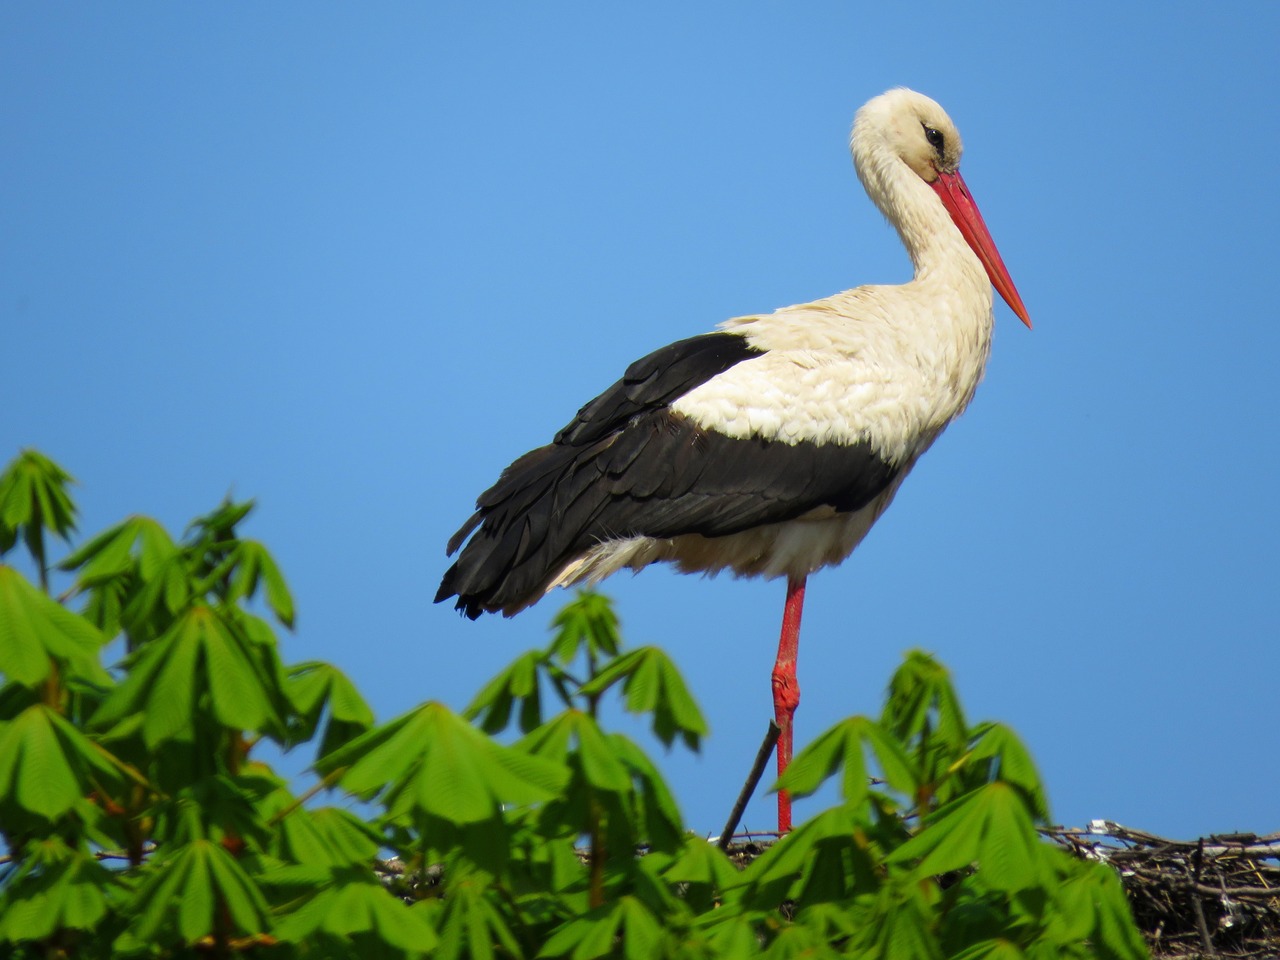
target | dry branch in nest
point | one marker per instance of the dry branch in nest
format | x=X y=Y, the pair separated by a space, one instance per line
x=1216 y=896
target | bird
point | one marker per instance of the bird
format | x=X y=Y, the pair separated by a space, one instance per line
x=769 y=446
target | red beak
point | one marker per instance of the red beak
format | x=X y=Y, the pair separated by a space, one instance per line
x=964 y=212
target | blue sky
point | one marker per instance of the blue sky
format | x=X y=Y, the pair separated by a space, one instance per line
x=352 y=260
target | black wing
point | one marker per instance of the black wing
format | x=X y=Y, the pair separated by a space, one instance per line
x=628 y=466
x=654 y=381
x=650 y=383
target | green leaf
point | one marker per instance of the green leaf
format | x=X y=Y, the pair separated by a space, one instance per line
x=658 y=822
x=161 y=593
x=990 y=827
x=430 y=761
x=787 y=860
x=35 y=629
x=134 y=575
x=799 y=942
x=55 y=888
x=160 y=687
x=574 y=734
x=624 y=928
x=652 y=684
x=734 y=934
x=312 y=687
x=220 y=523
x=352 y=905
x=1012 y=764
x=112 y=552
x=35 y=773
x=517 y=683
x=328 y=836
x=587 y=625
x=817 y=762
x=600 y=766
x=922 y=705
x=198 y=890
x=903 y=926
x=471 y=926
x=553 y=740
x=843 y=746
x=1116 y=934
x=239 y=697
x=835 y=918
x=1090 y=906
x=216 y=807
x=108 y=554
x=47 y=765
x=203 y=652
x=702 y=863
x=253 y=566
x=614 y=766
x=34 y=498
x=997 y=949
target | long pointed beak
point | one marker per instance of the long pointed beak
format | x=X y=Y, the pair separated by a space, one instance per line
x=964 y=212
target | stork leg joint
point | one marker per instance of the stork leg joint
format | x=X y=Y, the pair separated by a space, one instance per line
x=786 y=690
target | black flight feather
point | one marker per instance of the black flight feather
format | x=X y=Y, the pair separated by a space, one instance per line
x=628 y=466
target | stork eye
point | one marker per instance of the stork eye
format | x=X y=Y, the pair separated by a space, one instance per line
x=935 y=138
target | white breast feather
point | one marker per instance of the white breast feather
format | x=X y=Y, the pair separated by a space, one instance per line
x=848 y=370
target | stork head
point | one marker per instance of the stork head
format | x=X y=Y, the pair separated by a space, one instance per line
x=905 y=128
x=915 y=129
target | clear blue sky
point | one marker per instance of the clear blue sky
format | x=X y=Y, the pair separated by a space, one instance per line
x=352 y=259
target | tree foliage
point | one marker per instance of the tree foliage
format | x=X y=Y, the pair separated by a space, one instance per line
x=138 y=818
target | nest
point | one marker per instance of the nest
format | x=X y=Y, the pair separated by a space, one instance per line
x=1213 y=897
x=1217 y=896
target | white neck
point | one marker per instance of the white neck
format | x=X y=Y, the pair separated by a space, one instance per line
x=937 y=249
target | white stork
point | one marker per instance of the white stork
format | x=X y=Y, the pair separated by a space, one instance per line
x=770 y=447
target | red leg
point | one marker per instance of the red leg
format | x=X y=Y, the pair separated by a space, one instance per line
x=786 y=689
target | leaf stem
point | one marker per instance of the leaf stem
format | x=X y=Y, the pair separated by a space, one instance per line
x=329 y=780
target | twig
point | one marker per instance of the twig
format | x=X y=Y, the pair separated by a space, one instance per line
x=1201 y=926
x=748 y=788
x=1191 y=885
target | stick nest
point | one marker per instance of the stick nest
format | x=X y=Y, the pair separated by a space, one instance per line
x=1216 y=896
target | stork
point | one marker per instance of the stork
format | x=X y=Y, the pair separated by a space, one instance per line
x=770 y=447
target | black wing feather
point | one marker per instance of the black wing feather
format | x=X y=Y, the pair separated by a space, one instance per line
x=628 y=466
x=654 y=381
